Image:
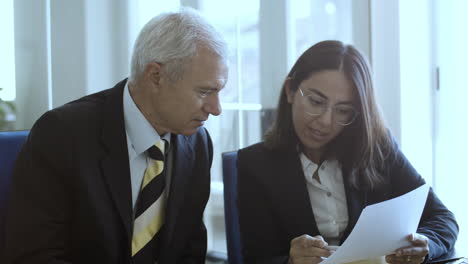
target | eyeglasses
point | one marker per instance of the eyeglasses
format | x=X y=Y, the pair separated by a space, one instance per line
x=342 y=114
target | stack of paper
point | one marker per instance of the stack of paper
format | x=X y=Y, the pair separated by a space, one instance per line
x=382 y=228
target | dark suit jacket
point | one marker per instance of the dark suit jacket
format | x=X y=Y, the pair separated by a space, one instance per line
x=71 y=197
x=274 y=205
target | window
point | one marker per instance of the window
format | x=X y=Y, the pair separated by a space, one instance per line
x=264 y=38
x=429 y=71
x=7 y=66
x=141 y=11
x=451 y=142
x=7 y=52
x=321 y=19
x=239 y=124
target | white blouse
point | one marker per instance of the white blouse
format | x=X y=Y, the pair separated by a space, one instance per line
x=327 y=198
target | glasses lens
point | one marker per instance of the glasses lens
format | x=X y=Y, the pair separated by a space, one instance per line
x=344 y=115
x=315 y=106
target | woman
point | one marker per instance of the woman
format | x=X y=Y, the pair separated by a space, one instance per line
x=327 y=156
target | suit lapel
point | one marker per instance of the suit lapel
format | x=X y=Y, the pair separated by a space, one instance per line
x=290 y=195
x=182 y=166
x=115 y=164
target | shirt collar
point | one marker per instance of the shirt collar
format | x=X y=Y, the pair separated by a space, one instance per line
x=329 y=166
x=307 y=164
x=140 y=132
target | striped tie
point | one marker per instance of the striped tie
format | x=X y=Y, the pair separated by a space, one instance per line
x=150 y=208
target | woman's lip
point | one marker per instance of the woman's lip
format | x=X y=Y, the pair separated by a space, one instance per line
x=317 y=134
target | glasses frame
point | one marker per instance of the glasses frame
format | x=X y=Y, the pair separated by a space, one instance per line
x=356 y=112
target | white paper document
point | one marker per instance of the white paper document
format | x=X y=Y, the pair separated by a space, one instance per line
x=382 y=228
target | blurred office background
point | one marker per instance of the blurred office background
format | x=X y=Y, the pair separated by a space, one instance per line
x=53 y=51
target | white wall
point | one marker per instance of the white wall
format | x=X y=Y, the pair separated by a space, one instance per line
x=452 y=114
x=417 y=84
x=385 y=53
x=401 y=52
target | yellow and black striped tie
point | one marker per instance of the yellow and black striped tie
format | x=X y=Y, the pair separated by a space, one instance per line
x=150 y=208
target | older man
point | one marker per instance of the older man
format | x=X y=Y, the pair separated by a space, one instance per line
x=123 y=175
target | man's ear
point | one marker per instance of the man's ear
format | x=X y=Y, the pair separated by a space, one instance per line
x=153 y=72
x=289 y=93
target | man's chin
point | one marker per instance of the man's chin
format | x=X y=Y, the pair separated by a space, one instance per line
x=189 y=132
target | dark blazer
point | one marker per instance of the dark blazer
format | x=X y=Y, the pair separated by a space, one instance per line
x=274 y=205
x=71 y=197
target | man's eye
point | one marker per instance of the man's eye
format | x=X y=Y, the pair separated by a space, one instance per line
x=204 y=93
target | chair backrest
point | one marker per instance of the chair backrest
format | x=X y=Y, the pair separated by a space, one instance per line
x=10 y=144
x=231 y=213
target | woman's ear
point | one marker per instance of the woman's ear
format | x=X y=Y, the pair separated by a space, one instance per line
x=289 y=93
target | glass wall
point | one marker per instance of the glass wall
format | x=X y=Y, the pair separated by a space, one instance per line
x=7 y=66
x=239 y=124
x=321 y=19
x=65 y=50
x=265 y=38
x=450 y=138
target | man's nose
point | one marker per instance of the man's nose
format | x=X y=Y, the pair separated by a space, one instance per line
x=212 y=105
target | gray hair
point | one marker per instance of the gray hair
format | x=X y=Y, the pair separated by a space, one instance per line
x=173 y=39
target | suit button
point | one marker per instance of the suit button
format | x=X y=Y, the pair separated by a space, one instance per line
x=328 y=194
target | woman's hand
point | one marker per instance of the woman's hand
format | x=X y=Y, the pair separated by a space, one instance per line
x=415 y=253
x=307 y=249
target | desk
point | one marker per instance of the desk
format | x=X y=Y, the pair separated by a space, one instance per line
x=379 y=260
x=453 y=257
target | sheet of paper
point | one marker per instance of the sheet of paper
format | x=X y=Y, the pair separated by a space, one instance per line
x=382 y=228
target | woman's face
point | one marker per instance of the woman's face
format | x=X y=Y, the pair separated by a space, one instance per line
x=318 y=107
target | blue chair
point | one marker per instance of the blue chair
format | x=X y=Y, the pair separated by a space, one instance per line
x=231 y=213
x=10 y=144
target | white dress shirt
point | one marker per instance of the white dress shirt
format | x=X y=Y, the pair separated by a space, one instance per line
x=327 y=197
x=140 y=137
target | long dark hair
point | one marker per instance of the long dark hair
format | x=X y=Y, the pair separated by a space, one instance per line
x=362 y=147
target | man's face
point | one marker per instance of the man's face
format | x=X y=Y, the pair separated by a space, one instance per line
x=182 y=106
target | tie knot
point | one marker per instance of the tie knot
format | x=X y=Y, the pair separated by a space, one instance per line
x=157 y=151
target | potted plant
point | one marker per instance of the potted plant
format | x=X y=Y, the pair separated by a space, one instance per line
x=7 y=114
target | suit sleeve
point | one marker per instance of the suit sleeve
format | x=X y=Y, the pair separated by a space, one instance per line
x=39 y=204
x=195 y=251
x=437 y=222
x=261 y=241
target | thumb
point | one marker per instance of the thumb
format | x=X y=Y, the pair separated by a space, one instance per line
x=417 y=239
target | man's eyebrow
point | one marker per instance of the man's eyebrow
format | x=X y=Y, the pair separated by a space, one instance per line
x=208 y=88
